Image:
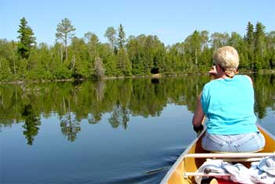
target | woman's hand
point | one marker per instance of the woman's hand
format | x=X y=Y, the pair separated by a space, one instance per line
x=198 y=117
x=213 y=71
x=198 y=129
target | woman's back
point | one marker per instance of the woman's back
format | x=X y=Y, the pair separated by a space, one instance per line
x=228 y=102
x=229 y=106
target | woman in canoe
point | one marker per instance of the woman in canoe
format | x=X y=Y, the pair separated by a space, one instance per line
x=228 y=103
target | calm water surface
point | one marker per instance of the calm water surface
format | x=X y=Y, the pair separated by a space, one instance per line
x=117 y=131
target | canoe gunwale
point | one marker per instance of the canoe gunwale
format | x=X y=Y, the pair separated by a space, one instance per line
x=267 y=150
x=180 y=158
x=230 y=155
x=266 y=131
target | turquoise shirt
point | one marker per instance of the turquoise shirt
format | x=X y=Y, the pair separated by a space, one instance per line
x=229 y=106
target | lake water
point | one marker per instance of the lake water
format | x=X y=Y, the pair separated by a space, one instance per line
x=117 y=131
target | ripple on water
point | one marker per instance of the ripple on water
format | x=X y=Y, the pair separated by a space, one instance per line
x=154 y=170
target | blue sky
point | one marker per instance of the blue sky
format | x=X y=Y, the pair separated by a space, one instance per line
x=170 y=20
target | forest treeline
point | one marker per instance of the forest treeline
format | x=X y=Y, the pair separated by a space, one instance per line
x=75 y=102
x=73 y=57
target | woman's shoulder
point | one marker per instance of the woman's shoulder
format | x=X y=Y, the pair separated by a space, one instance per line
x=210 y=84
x=244 y=78
x=237 y=78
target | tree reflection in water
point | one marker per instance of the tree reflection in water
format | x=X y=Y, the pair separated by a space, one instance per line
x=74 y=102
x=31 y=123
x=69 y=126
x=120 y=116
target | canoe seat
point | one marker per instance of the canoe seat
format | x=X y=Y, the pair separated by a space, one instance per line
x=261 y=149
x=240 y=159
x=232 y=157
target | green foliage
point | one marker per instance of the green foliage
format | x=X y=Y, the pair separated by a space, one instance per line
x=108 y=58
x=5 y=69
x=75 y=57
x=26 y=39
x=111 y=35
x=146 y=53
x=121 y=37
x=79 y=61
x=8 y=51
x=69 y=126
x=250 y=34
x=64 y=32
x=99 y=69
x=32 y=122
x=118 y=100
x=219 y=40
x=123 y=62
x=62 y=72
x=196 y=46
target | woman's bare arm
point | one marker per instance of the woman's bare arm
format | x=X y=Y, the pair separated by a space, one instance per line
x=198 y=117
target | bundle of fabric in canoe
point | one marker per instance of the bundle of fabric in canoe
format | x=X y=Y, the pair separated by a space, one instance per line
x=262 y=172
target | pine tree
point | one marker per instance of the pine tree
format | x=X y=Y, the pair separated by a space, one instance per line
x=259 y=38
x=250 y=43
x=121 y=37
x=123 y=62
x=26 y=39
x=5 y=71
x=64 y=31
x=259 y=45
x=250 y=34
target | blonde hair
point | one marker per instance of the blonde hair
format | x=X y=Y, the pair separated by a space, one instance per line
x=228 y=58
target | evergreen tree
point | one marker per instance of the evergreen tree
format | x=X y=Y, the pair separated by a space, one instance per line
x=31 y=125
x=9 y=51
x=5 y=69
x=249 y=34
x=271 y=49
x=26 y=39
x=123 y=63
x=250 y=45
x=259 y=38
x=259 y=46
x=139 y=55
x=121 y=37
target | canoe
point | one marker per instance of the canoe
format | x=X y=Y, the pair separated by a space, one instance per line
x=194 y=156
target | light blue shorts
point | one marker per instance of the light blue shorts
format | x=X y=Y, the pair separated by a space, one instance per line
x=249 y=142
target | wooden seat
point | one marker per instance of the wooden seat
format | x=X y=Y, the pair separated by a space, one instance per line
x=257 y=151
x=229 y=155
x=240 y=159
x=232 y=157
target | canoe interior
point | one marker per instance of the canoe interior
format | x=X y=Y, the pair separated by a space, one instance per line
x=175 y=174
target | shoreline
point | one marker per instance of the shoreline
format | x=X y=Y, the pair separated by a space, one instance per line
x=152 y=76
